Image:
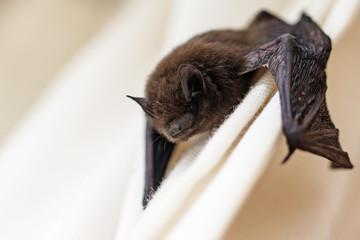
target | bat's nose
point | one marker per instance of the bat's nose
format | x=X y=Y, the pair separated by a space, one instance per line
x=174 y=129
x=180 y=125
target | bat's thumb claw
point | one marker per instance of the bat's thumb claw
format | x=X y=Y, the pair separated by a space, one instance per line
x=291 y=151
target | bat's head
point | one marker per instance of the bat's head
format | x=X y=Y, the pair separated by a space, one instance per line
x=178 y=102
x=191 y=91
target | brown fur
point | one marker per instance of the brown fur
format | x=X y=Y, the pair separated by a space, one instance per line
x=215 y=58
x=217 y=54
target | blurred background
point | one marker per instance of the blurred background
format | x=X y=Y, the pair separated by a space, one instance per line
x=37 y=37
x=64 y=172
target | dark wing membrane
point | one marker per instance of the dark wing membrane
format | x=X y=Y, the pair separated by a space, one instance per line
x=157 y=156
x=297 y=60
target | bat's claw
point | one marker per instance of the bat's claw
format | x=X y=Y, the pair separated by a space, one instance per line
x=346 y=165
x=287 y=157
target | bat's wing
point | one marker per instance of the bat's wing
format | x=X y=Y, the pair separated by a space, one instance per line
x=157 y=156
x=297 y=59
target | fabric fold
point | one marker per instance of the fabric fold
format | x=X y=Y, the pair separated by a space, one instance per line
x=73 y=169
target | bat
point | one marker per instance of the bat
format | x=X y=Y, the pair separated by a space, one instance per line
x=197 y=85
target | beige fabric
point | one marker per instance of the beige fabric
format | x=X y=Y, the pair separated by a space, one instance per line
x=37 y=38
x=74 y=168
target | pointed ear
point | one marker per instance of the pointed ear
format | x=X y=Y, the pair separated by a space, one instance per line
x=192 y=81
x=143 y=104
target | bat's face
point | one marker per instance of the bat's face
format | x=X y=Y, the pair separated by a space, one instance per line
x=177 y=103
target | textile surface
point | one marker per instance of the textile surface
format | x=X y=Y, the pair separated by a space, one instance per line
x=73 y=168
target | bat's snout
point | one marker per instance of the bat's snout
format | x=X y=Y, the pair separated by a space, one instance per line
x=174 y=129
x=177 y=128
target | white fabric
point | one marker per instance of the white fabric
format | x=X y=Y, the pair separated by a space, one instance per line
x=73 y=169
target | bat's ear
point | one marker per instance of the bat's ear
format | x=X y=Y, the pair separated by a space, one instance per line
x=192 y=81
x=143 y=104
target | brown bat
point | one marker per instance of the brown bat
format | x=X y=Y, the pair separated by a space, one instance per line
x=197 y=85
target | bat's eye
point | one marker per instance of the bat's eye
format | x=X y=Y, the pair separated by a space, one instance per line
x=195 y=95
x=193 y=106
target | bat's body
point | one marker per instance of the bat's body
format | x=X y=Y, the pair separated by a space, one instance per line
x=198 y=84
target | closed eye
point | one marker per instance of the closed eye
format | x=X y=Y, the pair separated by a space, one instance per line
x=193 y=106
x=196 y=94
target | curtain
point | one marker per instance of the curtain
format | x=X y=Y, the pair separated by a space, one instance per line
x=73 y=169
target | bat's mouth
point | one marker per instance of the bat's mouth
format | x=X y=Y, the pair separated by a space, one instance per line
x=179 y=137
